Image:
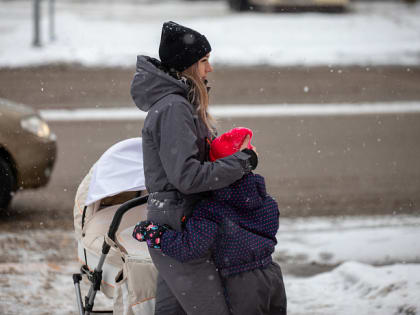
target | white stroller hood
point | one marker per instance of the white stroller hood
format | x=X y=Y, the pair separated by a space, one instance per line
x=119 y=169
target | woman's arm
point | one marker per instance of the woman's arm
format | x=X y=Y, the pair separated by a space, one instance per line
x=178 y=152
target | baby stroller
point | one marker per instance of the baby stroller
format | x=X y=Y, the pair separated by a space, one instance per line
x=109 y=202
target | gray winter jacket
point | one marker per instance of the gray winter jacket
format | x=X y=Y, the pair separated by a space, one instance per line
x=175 y=147
x=176 y=169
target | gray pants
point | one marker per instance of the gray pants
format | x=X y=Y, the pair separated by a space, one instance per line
x=257 y=292
x=166 y=302
x=192 y=288
x=195 y=285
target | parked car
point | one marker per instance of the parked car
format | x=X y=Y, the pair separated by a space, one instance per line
x=289 y=5
x=27 y=150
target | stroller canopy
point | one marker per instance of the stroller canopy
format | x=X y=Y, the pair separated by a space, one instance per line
x=119 y=169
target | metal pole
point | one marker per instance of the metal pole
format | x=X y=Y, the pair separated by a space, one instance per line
x=52 y=19
x=37 y=19
x=93 y=290
x=76 y=280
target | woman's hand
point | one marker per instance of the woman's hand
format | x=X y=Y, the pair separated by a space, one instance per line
x=253 y=159
x=246 y=143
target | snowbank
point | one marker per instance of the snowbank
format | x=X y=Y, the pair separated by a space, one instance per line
x=111 y=34
x=372 y=240
x=355 y=288
x=238 y=110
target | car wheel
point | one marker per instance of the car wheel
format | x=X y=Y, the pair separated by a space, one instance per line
x=239 y=5
x=7 y=181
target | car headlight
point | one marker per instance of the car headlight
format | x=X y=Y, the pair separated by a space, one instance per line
x=37 y=126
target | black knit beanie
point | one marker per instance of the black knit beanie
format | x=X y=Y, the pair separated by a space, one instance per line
x=181 y=47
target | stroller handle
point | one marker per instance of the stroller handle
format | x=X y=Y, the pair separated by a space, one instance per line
x=120 y=212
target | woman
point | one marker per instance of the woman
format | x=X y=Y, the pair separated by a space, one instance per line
x=176 y=136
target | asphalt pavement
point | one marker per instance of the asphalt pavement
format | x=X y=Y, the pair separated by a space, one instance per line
x=314 y=165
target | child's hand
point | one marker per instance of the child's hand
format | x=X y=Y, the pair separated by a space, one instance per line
x=147 y=231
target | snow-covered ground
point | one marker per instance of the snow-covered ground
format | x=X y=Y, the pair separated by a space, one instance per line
x=112 y=33
x=372 y=263
x=355 y=288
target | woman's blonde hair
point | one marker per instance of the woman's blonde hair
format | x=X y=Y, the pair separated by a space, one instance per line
x=198 y=95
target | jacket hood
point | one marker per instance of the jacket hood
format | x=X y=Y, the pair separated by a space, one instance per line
x=246 y=194
x=150 y=84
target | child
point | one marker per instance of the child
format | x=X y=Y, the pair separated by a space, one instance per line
x=238 y=224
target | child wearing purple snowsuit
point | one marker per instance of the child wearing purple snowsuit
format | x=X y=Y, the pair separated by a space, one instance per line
x=238 y=224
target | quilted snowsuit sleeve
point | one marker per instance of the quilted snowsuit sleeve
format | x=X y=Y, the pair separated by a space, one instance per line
x=197 y=238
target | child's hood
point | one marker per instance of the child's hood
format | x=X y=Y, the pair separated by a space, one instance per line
x=247 y=193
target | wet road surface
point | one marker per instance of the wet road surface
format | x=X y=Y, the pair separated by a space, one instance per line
x=361 y=164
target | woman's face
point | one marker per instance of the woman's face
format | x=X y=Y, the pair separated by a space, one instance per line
x=204 y=67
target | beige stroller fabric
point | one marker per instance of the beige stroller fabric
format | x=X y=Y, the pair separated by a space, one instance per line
x=128 y=260
x=79 y=204
x=135 y=292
